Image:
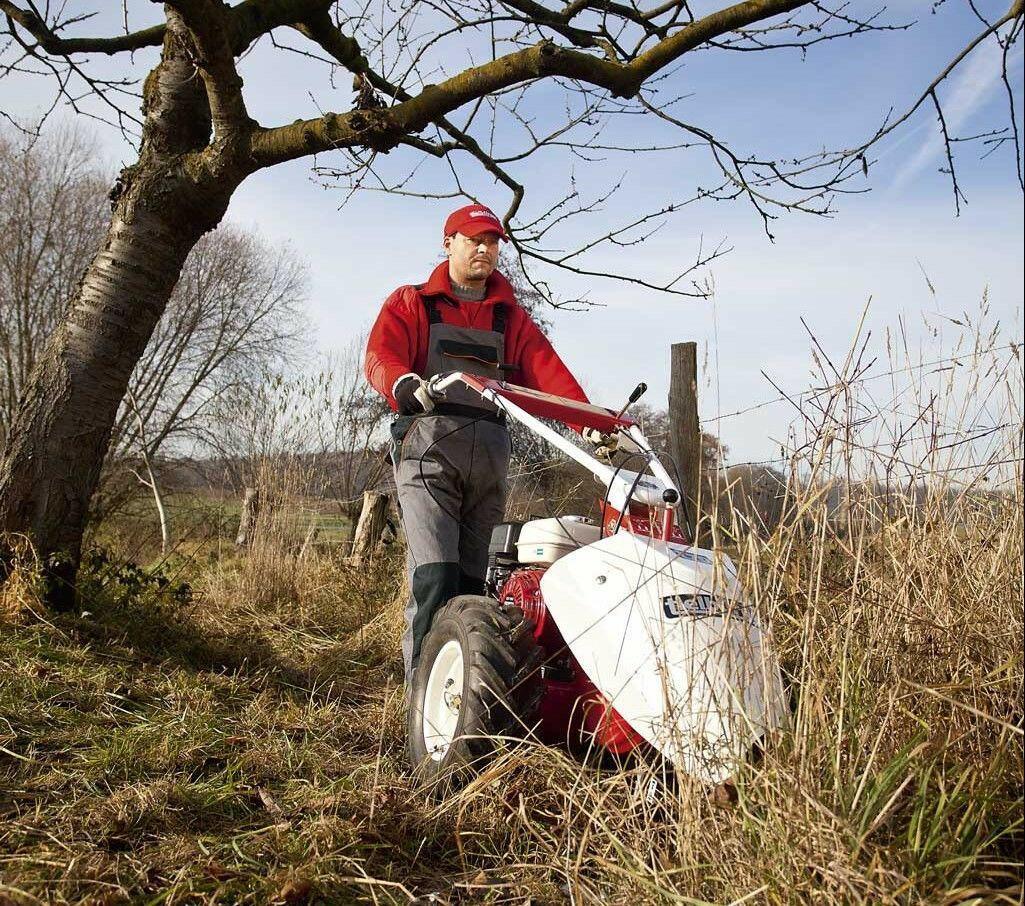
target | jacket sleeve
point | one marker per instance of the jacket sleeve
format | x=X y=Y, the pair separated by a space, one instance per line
x=392 y=344
x=540 y=365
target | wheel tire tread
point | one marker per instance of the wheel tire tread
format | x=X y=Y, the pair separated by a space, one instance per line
x=503 y=660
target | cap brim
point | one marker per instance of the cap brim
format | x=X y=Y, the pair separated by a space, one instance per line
x=465 y=228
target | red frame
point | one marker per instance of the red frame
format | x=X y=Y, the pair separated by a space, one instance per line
x=573 y=707
x=645 y=521
x=544 y=405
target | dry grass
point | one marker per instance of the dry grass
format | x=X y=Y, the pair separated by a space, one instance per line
x=246 y=745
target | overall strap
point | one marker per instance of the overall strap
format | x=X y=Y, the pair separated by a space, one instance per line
x=499 y=313
x=498 y=317
x=433 y=315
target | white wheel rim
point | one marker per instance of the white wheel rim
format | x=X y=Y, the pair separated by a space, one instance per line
x=443 y=699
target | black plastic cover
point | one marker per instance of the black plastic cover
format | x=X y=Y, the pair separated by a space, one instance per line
x=503 y=541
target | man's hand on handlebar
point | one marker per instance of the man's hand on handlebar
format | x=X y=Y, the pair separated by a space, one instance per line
x=412 y=395
x=596 y=437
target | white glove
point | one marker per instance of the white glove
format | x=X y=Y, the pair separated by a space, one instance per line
x=594 y=436
x=604 y=444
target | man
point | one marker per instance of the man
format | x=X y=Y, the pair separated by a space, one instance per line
x=451 y=457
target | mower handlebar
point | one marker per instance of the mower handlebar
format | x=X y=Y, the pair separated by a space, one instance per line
x=572 y=413
x=530 y=406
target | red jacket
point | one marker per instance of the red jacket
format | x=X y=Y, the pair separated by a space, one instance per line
x=398 y=339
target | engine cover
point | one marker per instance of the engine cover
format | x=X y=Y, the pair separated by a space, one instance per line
x=523 y=589
x=543 y=541
x=664 y=633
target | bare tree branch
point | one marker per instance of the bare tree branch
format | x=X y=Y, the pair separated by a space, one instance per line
x=52 y=43
x=209 y=24
x=381 y=129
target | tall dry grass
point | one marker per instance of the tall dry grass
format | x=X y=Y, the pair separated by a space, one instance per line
x=894 y=589
x=248 y=746
x=285 y=575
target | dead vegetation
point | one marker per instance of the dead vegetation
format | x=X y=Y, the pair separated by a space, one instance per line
x=240 y=739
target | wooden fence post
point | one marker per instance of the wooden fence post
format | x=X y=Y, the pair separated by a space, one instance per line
x=247 y=519
x=370 y=525
x=684 y=430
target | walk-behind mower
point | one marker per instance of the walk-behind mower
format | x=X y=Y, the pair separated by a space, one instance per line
x=614 y=635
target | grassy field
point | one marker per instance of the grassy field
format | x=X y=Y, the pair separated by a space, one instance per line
x=201 y=523
x=240 y=739
x=160 y=748
x=227 y=727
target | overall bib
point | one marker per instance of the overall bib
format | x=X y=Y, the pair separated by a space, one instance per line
x=450 y=475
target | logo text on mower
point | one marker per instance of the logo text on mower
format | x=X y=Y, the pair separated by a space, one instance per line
x=693 y=606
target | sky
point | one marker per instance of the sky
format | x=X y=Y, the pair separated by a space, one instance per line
x=901 y=249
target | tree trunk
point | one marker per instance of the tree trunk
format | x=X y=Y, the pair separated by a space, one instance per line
x=158 y=499
x=178 y=190
x=59 y=437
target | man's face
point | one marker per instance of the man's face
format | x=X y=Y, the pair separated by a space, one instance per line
x=471 y=258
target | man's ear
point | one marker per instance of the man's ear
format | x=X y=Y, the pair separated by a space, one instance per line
x=446 y=244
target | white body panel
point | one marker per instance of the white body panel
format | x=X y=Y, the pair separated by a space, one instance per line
x=662 y=632
x=661 y=629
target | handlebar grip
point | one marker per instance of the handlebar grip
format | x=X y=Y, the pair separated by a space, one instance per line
x=425 y=397
x=432 y=388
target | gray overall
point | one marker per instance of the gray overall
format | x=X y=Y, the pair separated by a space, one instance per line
x=450 y=474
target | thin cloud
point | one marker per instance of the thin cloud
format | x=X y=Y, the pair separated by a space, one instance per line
x=972 y=85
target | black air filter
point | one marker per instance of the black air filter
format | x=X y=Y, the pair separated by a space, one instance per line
x=502 y=548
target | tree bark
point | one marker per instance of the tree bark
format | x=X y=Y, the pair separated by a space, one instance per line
x=60 y=434
x=59 y=437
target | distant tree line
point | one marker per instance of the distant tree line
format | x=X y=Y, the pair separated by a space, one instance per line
x=221 y=376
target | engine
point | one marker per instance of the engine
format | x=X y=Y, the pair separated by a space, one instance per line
x=573 y=711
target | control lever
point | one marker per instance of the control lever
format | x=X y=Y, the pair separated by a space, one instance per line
x=638 y=392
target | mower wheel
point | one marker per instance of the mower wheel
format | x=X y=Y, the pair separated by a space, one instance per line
x=478 y=682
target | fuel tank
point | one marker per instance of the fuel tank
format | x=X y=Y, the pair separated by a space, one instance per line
x=663 y=632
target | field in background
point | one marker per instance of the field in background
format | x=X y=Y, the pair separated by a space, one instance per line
x=208 y=519
x=228 y=727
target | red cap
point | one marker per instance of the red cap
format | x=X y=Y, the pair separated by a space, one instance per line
x=473 y=220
